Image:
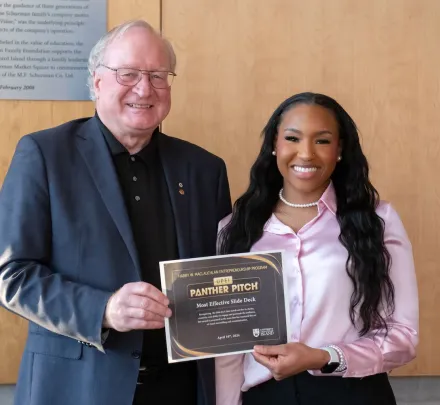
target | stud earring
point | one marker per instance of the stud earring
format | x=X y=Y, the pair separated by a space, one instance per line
x=339 y=158
x=274 y=153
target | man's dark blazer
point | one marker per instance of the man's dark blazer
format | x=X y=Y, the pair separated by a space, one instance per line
x=66 y=244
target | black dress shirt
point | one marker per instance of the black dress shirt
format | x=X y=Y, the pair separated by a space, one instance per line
x=148 y=204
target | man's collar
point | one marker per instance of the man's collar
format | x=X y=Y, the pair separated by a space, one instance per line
x=147 y=153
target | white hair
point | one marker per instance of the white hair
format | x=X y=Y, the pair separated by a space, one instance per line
x=98 y=51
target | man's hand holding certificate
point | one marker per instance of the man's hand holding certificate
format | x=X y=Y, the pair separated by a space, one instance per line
x=224 y=304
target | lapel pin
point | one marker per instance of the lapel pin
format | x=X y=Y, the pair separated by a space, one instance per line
x=180 y=185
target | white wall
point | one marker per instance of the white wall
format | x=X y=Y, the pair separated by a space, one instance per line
x=408 y=390
x=6 y=393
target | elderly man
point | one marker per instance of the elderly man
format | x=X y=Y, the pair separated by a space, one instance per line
x=87 y=210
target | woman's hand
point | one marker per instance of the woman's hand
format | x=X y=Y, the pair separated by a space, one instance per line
x=292 y=358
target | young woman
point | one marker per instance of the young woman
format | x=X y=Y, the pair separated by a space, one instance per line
x=351 y=283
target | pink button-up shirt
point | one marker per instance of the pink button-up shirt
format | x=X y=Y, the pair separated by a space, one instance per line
x=319 y=290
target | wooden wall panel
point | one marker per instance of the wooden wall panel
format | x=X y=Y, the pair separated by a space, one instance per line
x=238 y=59
x=18 y=118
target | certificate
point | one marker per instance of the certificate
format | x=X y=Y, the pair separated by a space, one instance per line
x=224 y=304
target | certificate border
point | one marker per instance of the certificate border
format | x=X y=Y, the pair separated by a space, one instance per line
x=203 y=355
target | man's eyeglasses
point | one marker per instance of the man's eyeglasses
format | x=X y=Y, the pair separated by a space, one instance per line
x=131 y=77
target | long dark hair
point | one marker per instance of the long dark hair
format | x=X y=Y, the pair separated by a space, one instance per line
x=362 y=230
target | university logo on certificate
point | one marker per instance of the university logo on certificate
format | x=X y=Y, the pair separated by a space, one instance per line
x=224 y=304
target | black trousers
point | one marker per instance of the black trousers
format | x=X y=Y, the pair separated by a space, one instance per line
x=305 y=389
x=168 y=385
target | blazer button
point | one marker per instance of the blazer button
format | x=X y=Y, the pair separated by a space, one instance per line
x=136 y=354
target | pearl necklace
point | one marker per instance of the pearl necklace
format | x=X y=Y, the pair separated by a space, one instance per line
x=312 y=204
